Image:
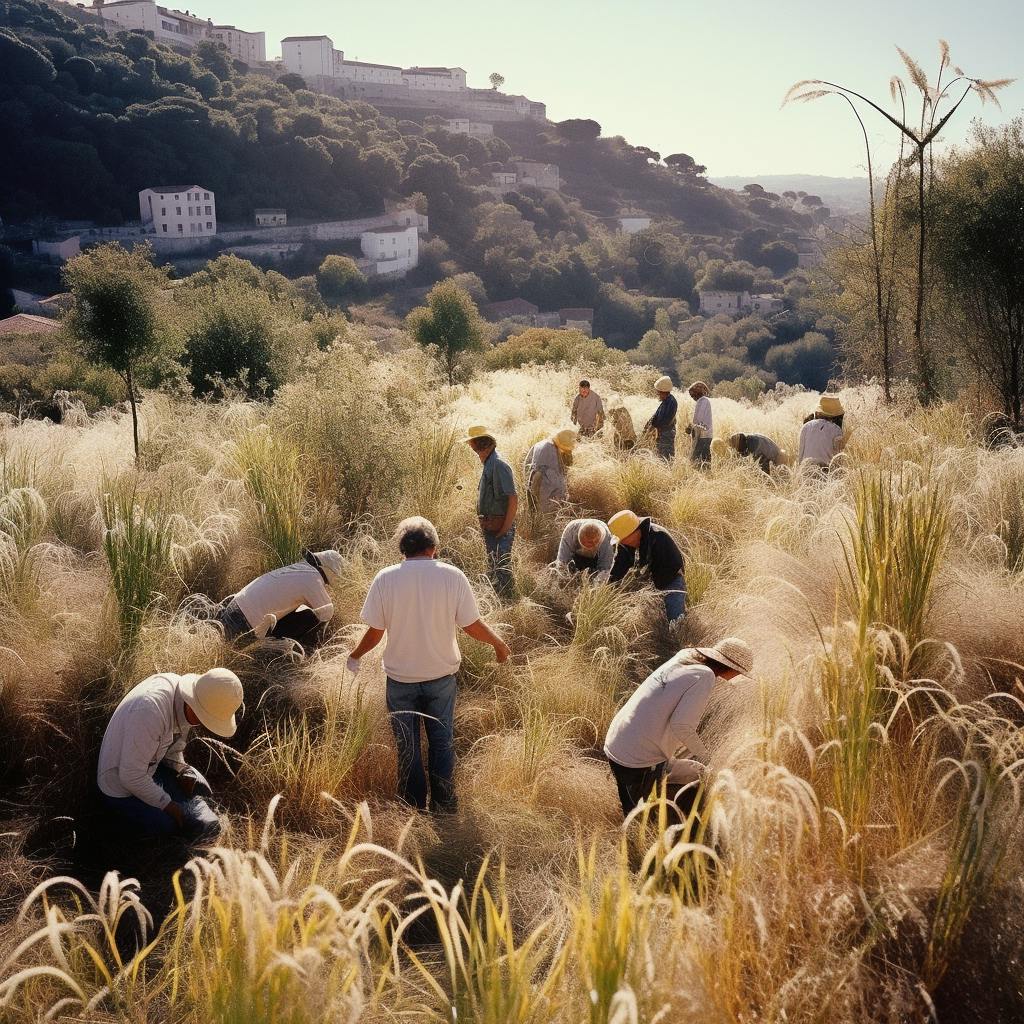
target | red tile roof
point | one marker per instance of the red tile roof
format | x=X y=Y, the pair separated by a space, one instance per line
x=27 y=323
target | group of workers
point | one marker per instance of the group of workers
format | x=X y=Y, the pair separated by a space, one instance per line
x=421 y=603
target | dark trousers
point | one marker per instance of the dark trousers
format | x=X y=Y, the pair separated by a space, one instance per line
x=433 y=703
x=200 y=822
x=233 y=619
x=635 y=784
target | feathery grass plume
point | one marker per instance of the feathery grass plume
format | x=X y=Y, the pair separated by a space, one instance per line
x=138 y=542
x=434 y=470
x=898 y=539
x=271 y=469
x=23 y=521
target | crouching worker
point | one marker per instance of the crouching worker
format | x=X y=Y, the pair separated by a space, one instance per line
x=661 y=717
x=762 y=449
x=290 y=603
x=142 y=772
x=586 y=546
x=650 y=549
x=421 y=603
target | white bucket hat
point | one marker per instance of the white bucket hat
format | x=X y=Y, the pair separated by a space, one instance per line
x=732 y=652
x=330 y=562
x=214 y=696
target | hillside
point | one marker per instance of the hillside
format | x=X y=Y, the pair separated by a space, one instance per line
x=848 y=194
x=856 y=846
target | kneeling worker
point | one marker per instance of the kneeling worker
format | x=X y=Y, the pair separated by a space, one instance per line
x=142 y=772
x=649 y=548
x=586 y=546
x=661 y=717
x=286 y=603
x=760 y=448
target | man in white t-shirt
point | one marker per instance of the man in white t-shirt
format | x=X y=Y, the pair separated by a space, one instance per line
x=421 y=603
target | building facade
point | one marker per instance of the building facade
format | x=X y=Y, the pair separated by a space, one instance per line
x=59 y=250
x=178 y=211
x=631 y=225
x=271 y=218
x=464 y=126
x=248 y=47
x=393 y=249
x=435 y=79
x=310 y=56
x=713 y=302
x=537 y=174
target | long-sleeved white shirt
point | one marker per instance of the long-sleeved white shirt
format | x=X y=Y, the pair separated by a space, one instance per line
x=662 y=715
x=545 y=475
x=702 y=417
x=147 y=727
x=819 y=441
x=282 y=591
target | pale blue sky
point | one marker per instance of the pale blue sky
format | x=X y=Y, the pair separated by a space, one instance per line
x=705 y=78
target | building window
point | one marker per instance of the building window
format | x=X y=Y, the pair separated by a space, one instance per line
x=164 y=226
x=209 y=225
x=209 y=212
x=163 y=211
x=206 y=195
x=177 y=210
x=181 y=229
x=178 y=197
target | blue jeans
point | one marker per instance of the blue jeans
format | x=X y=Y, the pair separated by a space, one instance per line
x=674 y=596
x=433 y=702
x=666 y=443
x=233 y=619
x=499 y=560
x=701 y=454
x=200 y=820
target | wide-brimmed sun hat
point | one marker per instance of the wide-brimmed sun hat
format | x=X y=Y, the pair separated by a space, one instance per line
x=829 y=405
x=732 y=652
x=663 y=384
x=565 y=440
x=214 y=696
x=477 y=434
x=623 y=523
x=330 y=561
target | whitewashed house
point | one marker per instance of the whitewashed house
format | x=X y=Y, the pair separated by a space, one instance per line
x=394 y=249
x=713 y=302
x=249 y=47
x=766 y=305
x=631 y=225
x=464 y=126
x=178 y=211
x=269 y=217
x=537 y=174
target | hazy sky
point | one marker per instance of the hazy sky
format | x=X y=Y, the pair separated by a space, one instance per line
x=677 y=75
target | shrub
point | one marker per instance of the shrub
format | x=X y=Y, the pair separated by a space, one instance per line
x=551 y=345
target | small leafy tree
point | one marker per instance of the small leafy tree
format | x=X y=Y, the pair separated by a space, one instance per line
x=339 y=279
x=451 y=322
x=113 y=316
x=497 y=80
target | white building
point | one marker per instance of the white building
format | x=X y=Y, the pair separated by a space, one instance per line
x=631 y=225
x=178 y=211
x=173 y=28
x=389 y=250
x=713 y=302
x=250 y=47
x=435 y=79
x=271 y=218
x=361 y=71
x=537 y=174
x=766 y=305
x=464 y=126
x=504 y=178
x=60 y=250
x=310 y=56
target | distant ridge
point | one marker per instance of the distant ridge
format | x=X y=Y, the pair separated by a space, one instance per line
x=848 y=192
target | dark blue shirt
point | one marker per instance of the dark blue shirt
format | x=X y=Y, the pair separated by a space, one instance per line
x=665 y=416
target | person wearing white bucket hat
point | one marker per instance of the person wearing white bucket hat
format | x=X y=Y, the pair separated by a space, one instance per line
x=660 y=719
x=545 y=471
x=289 y=603
x=142 y=773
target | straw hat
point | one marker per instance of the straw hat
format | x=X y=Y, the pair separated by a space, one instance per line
x=330 y=562
x=699 y=386
x=720 y=449
x=829 y=405
x=731 y=652
x=623 y=523
x=214 y=696
x=565 y=440
x=477 y=434
x=663 y=384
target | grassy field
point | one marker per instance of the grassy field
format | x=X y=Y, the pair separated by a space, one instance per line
x=859 y=853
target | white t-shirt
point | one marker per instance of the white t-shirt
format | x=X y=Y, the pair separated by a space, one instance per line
x=282 y=591
x=419 y=603
x=818 y=441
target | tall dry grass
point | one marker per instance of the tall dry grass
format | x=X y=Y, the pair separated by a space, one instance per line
x=860 y=822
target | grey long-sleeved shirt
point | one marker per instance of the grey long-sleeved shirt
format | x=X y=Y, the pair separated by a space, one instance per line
x=569 y=546
x=147 y=727
x=661 y=716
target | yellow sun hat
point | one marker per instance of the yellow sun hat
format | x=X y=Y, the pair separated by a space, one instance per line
x=477 y=434
x=565 y=440
x=829 y=405
x=623 y=523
